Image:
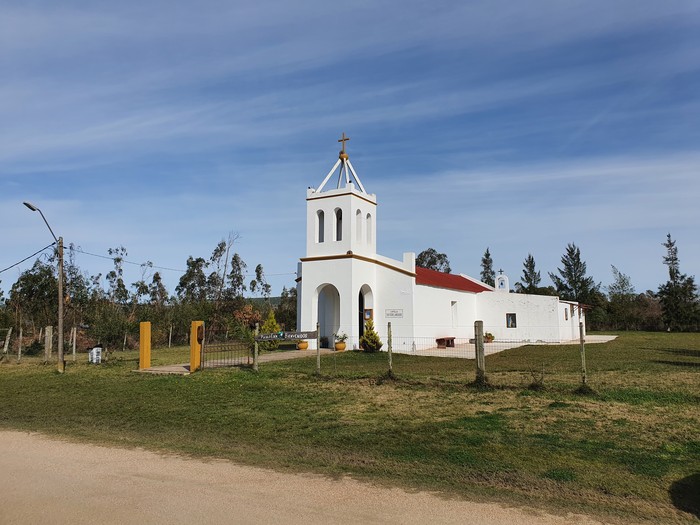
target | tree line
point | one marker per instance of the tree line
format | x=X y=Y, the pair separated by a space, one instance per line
x=108 y=310
x=674 y=306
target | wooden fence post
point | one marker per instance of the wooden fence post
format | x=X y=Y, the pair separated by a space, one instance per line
x=75 y=340
x=255 y=348
x=582 y=339
x=480 y=361
x=19 y=347
x=391 y=365
x=7 y=340
x=48 y=343
x=318 y=350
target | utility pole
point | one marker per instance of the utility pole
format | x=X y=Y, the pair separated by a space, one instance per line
x=59 y=243
x=61 y=360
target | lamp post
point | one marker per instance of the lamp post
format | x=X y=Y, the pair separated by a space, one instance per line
x=59 y=242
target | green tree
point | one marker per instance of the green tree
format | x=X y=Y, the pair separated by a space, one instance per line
x=157 y=292
x=262 y=284
x=530 y=281
x=34 y=295
x=118 y=292
x=433 y=260
x=236 y=276
x=370 y=341
x=487 y=275
x=192 y=286
x=287 y=309
x=77 y=289
x=648 y=312
x=678 y=296
x=572 y=284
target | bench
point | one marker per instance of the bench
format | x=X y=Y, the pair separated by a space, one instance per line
x=445 y=342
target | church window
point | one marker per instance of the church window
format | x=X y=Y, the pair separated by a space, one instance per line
x=338 y=224
x=510 y=321
x=320 y=219
x=455 y=320
x=369 y=228
x=358 y=225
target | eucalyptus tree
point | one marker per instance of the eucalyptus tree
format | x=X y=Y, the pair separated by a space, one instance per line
x=33 y=295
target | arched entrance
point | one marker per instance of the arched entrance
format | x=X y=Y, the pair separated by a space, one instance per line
x=328 y=311
x=365 y=302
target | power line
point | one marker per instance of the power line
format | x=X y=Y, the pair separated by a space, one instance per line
x=125 y=261
x=32 y=255
x=160 y=267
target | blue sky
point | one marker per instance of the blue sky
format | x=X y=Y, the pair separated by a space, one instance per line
x=518 y=126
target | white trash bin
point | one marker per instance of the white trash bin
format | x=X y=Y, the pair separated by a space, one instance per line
x=95 y=355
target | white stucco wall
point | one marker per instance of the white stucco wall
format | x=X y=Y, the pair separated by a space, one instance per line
x=536 y=316
x=569 y=319
x=395 y=301
x=434 y=314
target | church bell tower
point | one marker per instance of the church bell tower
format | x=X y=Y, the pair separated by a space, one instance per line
x=343 y=219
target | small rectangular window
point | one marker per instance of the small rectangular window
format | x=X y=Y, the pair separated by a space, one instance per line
x=510 y=321
x=566 y=314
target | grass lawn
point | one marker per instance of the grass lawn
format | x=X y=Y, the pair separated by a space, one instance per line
x=631 y=450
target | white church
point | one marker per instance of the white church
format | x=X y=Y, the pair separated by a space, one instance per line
x=342 y=281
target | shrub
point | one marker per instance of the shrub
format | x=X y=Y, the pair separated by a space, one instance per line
x=270 y=326
x=35 y=348
x=370 y=341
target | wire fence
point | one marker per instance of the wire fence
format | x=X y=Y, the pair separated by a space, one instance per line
x=459 y=345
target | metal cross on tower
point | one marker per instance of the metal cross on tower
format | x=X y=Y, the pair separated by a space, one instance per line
x=347 y=172
x=343 y=139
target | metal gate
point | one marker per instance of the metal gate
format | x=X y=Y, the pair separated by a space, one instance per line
x=230 y=353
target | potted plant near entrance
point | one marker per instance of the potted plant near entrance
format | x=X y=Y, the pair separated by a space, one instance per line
x=340 y=341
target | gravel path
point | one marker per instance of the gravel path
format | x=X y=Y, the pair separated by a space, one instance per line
x=47 y=480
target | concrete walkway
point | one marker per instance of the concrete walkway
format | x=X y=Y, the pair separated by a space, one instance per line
x=467 y=351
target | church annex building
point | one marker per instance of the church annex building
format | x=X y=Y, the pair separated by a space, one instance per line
x=342 y=281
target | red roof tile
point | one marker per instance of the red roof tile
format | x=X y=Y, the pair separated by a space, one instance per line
x=451 y=281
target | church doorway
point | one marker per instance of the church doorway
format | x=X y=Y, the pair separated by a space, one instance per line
x=328 y=312
x=365 y=308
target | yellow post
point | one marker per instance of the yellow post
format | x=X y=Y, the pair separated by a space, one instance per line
x=196 y=338
x=145 y=345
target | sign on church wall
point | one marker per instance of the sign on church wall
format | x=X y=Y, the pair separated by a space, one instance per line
x=393 y=313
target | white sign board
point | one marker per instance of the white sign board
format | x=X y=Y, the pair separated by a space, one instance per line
x=393 y=313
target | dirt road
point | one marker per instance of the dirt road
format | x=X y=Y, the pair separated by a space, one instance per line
x=49 y=481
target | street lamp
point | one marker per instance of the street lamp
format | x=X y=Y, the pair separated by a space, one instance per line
x=59 y=242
